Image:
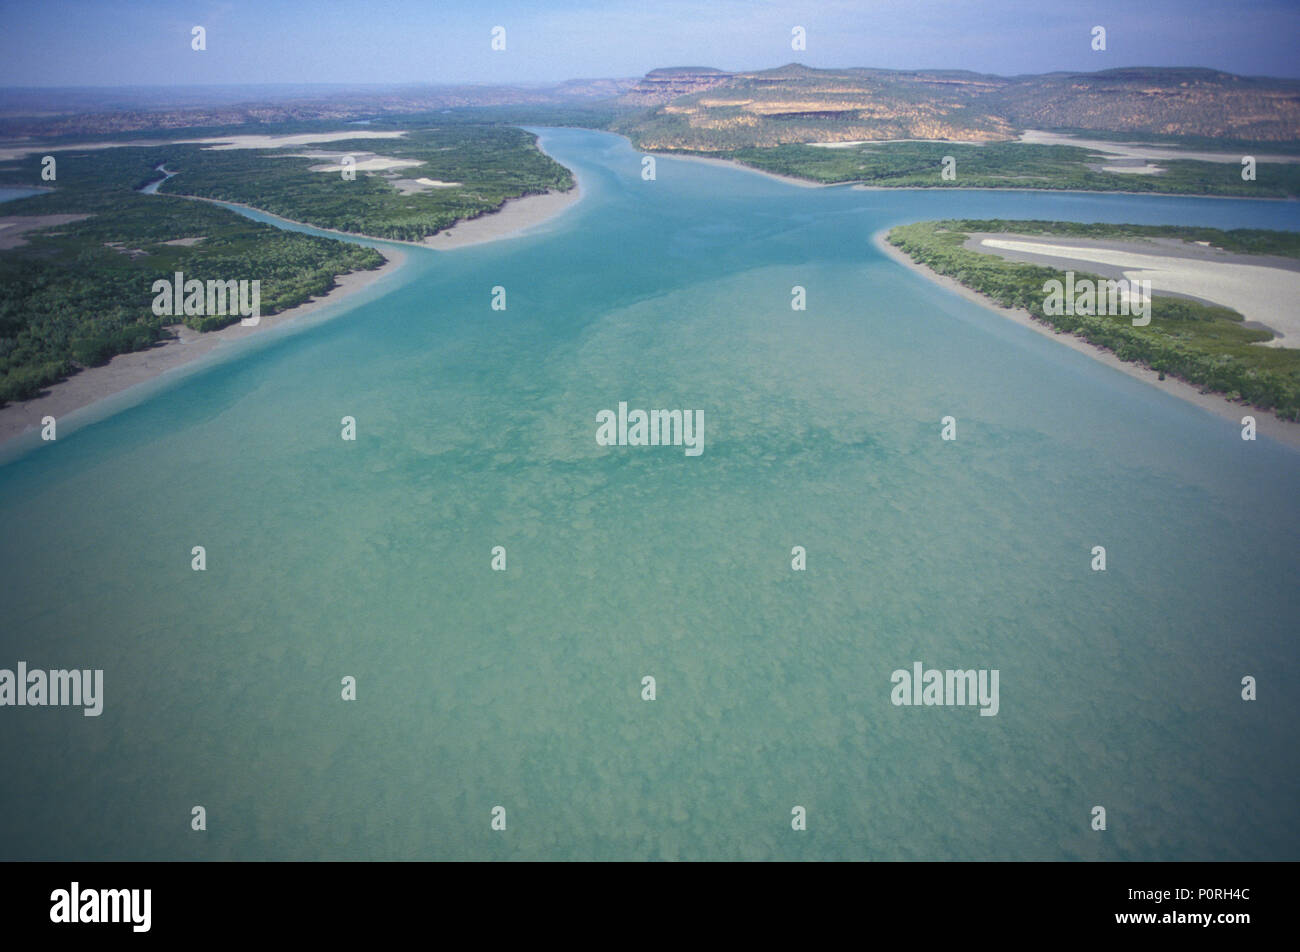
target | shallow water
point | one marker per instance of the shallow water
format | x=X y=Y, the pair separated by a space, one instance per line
x=476 y=688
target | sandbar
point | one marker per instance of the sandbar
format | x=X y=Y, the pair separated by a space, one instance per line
x=1267 y=423
x=1264 y=292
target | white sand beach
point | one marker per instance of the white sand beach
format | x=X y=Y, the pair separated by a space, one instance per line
x=1134 y=169
x=854 y=143
x=1120 y=158
x=1136 y=150
x=279 y=142
x=732 y=164
x=376 y=163
x=513 y=217
x=14 y=150
x=1266 y=296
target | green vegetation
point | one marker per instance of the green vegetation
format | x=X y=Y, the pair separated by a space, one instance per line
x=77 y=294
x=492 y=164
x=1011 y=165
x=1202 y=344
x=1251 y=241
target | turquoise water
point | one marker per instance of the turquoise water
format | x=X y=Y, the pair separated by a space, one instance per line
x=477 y=688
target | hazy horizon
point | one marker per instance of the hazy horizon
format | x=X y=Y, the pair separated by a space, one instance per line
x=547 y=83
x=143 y=44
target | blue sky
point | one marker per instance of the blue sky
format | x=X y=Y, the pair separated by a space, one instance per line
x=147 y=42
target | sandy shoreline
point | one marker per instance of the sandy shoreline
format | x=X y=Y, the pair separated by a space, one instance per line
x=15 y=149
x=733 y=164
x=128 y=370
x=124 y=371
x=516 y=215
x=1147 y=152
x=1267 y=423
x=1063 y=191
x=1264 y=289
x=513 y=217
x=861 y=186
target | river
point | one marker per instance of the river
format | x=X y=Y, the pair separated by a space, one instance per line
x=371 y=559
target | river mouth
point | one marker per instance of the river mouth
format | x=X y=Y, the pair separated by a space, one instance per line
x=477 y=428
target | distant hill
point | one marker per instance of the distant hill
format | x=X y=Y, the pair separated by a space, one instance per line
x=1178 y=102
x=708 y=110
x=664 y=85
